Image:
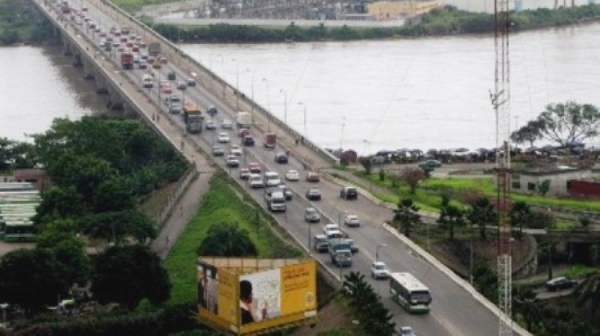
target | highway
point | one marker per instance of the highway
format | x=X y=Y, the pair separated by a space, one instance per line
x=453 y=312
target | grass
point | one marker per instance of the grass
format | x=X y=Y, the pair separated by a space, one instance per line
x=221 y=204
x=581 y=271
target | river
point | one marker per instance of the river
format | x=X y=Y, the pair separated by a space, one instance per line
x=39 y=84
x=428 y=93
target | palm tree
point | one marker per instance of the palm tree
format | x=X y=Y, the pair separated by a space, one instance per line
x=227 y=240
x=406 y=216
x=482 y=213
x=450 y=218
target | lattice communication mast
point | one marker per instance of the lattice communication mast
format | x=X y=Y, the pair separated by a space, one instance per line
x=501 y=103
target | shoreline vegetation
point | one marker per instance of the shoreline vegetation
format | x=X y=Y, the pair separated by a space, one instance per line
x=22 y=23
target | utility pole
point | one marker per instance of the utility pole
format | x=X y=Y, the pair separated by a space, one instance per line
x=501 y=103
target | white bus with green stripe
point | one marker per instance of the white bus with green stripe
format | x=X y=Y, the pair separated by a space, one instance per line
x=410 y=293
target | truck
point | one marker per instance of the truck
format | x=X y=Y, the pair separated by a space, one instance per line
x=275 y=200
x=340 y=252
x=125 y=30
x=244 y=119
x=154 y=49
x=127 y=60
x=270 y=140
x=193 y=118
x=64 y=6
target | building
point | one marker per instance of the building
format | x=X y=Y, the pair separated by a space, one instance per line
x=38 y=177
x=528 y=181
x=394 y=10
x=589 y=189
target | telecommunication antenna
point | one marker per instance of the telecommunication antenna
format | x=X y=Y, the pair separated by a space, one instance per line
x=501 y=103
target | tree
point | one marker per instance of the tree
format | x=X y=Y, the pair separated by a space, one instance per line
x=60 y=237
x=520 y=216
x=543 y=187
x=128 y=274
x=528 y=133
x=542 y=219
x=412 y=177
x=31 y=278
x=381 y=174
x=569 y=123
x=227 y=240
x=58 y=203
x=450 y=218
x=117 y=226
x=113 y=194
x=406 y=216
x=482 y=213
x=366 y=163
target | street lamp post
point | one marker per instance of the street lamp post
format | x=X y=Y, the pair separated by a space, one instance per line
x=377 y=251
x=340 y=217
x=268 y=105
x=305 y=132
x=284 y=106
x=309 y=234
x=368 y=152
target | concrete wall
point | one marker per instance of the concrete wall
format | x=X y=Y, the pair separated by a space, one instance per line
x=520 y=182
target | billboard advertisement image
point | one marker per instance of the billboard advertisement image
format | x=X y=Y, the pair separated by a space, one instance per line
x=241 y=299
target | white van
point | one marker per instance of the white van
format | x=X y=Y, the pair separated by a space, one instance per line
x=147 y=81
x=272 y=179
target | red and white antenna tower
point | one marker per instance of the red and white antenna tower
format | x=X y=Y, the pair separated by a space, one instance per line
x=501 y=102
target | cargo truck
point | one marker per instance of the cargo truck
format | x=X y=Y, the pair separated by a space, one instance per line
x=154 y=49
x=127 y=60
x=270 y=140
x=193 y=118
x=340 y=252
x=244 y=119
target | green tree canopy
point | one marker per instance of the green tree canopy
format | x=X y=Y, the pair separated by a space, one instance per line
x=482 y=213
x=128 y=274
x=451 y=217
x=227 y=240
x=117 y=226
x=406 y=216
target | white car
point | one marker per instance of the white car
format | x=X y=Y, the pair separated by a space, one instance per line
x=332 y=231
x=292 y=175
x=352 y=221
x=232 y=161
x=223 y=138
x=256 y=181
x=407 y=331
x=379 y=270
x=272 y=179
x=235 y=150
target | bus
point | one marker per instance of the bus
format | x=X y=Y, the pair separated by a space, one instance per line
x=410 y=293
x=13 y=231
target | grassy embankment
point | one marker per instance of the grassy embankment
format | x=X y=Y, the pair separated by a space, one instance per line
x=428 y=195
x=221 y=204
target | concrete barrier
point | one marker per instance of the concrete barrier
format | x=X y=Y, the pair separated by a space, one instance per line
x=454 y=277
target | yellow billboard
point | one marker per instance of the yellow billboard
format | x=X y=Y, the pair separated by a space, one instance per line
x=234 y=296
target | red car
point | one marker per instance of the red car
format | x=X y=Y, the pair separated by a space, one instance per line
x=181 y=85
x=166 y=88
x=254 y=168
x=312 y=177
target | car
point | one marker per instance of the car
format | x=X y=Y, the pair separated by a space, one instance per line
x=226 y=124
x=211 y=111
x=272 y=179
x=254 y=168
x=218 y=151
x=352 y=221
x=312 y=177
x=116 y=44
x=560 y=283
x=286 y=192
x=144 y=56
x=311 y=215
x=281 y=158
x=156 y=65
x=292 y=175
x=349 y=193
x=166 y=88
x=232 y=161
x=210 y=125
x=313 y=194
x=143 y=65
x=332 y=231
x=256 y=181
x=223 y=138
x=406 y=331
x=181 y=86
x=243 y=132
x=353 y=247
x=235 y=150
x=431 y=163
x=244 y=173
x=379 y=270
x=190 y=82
x=171 y=75
x=248 y=141
x=162 y=59
x=321 y=243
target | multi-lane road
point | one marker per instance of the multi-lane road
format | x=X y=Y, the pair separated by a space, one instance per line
x=454 y=311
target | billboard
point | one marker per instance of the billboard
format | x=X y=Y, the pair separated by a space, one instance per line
x=249 y=295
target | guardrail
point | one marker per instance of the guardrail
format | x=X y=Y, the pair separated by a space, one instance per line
x=174 y=52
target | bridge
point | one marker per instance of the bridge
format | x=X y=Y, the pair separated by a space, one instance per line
x=457 y=309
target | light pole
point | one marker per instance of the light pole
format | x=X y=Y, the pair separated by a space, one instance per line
x=309 y=234
x=377 y=251
x=368 y=152
x=268 y=105
x=3 y=306
x=237 y=83
x=284 y=105
x=305 y=131
x=340 y=217
x=342 y=133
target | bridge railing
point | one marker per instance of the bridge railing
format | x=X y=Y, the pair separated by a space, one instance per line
x=173 y=51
